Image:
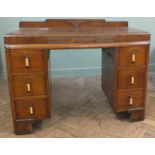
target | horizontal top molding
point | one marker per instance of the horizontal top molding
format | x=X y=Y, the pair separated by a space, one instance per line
x=75 y=46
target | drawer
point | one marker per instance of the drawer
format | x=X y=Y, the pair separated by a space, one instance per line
x=31 y=108
x=29 y=85
x=127 y=99
x=27 y=60
x=131 y=78
x=132 y=56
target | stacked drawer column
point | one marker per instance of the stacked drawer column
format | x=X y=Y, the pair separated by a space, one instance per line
x=29 y=87
x=124 y=79
x=132 y=69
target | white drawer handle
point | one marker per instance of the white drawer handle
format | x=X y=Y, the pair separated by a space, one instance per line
x=133 y=57
x=130 y=100
x=28 y=87
x=27 y=63
x=132 y=80
x=31 y=110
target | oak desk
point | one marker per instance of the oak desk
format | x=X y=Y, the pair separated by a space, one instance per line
x=125 y=53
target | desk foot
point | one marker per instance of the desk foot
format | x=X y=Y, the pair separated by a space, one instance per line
x=136 y=115
x=22 y=128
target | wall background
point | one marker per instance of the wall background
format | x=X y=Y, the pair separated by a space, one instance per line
x=76 y=62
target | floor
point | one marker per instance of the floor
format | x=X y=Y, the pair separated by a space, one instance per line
x=80 y=109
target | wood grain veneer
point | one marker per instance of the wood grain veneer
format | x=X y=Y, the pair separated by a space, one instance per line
x=125 y=53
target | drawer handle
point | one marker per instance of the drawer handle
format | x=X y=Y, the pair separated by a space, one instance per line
x=130 y=100
x=132 y=80
x=28 y=87
x=31 y=110
x=27 y=63
x=133 y=57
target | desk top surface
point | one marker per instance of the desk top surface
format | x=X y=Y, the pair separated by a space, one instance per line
x=75 y=31
x=68 y=36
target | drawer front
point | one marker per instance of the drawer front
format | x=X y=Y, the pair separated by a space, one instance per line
x=30 y=85
x=31 y=108
x=27 y=61
x=131 y=79
x=132 y=56
x=127 y=99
